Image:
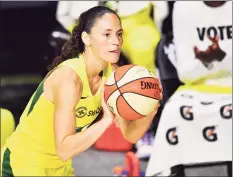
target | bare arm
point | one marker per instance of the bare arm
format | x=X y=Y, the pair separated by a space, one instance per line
x=66 y=94
x=134 y=130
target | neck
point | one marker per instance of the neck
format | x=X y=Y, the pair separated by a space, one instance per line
x=93 y=65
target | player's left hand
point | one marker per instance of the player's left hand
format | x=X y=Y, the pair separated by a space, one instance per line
x=107 y=113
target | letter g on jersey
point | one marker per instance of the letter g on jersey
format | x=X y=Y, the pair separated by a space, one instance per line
x=186 y=112
x=209 y=133
x=226 y=111
x=171 y=136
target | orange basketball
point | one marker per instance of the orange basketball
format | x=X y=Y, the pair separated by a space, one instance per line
x=132 y=92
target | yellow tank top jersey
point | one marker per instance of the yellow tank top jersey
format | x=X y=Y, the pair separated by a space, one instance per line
x=33 y=139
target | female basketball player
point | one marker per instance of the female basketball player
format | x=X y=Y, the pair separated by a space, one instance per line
x=53 y=127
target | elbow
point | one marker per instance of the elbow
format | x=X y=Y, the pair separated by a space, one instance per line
x=63 y=154
x=130 y=139
x=66 y=154
x=129 y=136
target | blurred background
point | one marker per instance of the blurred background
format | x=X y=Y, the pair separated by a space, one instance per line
x=32 y=34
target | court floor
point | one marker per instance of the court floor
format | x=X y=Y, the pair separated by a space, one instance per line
x=99 y=163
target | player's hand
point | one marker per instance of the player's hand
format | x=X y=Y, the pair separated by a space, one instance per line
x=107 y=113
x=213 y=52
x=154 y=112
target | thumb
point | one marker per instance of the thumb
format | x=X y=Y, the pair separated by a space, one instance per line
x=195 y=49
x=102 y=96
x=216 y=38
x=103 y=102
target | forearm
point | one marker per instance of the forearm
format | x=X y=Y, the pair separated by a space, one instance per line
x=134 y=130
x=73 y=145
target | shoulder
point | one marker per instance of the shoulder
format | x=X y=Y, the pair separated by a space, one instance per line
x=65 y=77
x=65 y=73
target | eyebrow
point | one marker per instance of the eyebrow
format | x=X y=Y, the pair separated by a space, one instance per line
x=120 y=30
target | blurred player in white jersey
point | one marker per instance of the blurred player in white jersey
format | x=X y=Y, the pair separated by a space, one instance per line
x=196 y=122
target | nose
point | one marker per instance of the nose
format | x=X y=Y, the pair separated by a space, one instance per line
x=116 y=40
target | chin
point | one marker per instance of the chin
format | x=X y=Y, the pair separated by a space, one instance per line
x=112 y=59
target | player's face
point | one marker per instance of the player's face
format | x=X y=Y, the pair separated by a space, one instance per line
x=106 y=38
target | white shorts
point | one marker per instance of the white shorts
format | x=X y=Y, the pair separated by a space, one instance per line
x=194 y=128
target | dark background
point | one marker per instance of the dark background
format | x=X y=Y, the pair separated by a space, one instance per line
x=24 y=33
x=25 y=30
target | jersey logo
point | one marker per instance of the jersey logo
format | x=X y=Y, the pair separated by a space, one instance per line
x=83 y=111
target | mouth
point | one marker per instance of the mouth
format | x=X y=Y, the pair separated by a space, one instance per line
x=115 y=51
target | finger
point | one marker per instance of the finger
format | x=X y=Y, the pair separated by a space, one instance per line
x=154 y=112
x=214 y=46
x=216 y=38
x=161 y=96
x=104 y=105
x=161 y=87
x=102 y=99
x=211 y=39
x=156 y=109
x=196 y=50
x=102 y=94
x=200 y=54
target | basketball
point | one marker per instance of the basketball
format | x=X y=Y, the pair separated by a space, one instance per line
x=132 y=92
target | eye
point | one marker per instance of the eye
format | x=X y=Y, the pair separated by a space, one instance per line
x=107 y=34
x=119 y=34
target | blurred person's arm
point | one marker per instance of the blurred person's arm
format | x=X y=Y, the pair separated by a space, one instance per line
x=63 y=14
x=68 y=12
x=161 y=11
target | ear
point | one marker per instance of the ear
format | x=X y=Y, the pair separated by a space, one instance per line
x=86 y=38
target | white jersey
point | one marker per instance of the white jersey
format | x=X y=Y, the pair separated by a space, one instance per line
x=192 y=22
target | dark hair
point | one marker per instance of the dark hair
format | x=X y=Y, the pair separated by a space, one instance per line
x=75 y=45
